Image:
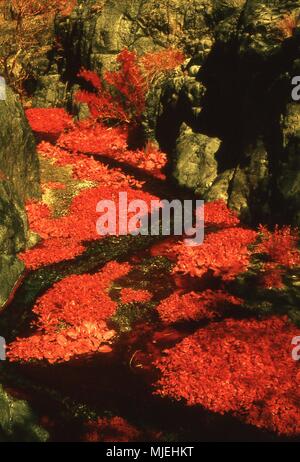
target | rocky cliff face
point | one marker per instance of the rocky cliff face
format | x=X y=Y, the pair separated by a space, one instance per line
x=232 y=127
x=227 y=119
x=19 y=179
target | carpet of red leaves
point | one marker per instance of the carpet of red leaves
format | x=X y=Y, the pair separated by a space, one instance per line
x=49 y=123
x=129 y=295
x=240 y=367
x=100 y=140
x=224 y=254
x=71 y=318
x=64 y=237
x=195 y=306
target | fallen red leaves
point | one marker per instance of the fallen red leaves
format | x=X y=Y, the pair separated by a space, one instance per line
x=111 y=142
x=225 y=254
x=281 y=250
x=64 y=237
x=195 y=306
x=217 y=213
x=49 y=122
x=115 y=429
x=242 y=367
x=71 y=318
x=129 y=295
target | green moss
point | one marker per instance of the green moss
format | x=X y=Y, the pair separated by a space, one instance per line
x=131 y=313
x=17 y=421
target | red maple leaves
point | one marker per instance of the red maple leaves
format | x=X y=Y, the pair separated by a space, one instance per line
x=121 y=95
x=217 y=214
x=281 y=250
x=111 y=142
x=49 y=122
x=224 y=254
x=228 y=252
x=242 y=367
x=129 y=295
x=64 y=237
x=72 y=318
x=195 y=306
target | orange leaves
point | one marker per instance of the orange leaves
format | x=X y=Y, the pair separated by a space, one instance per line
x=158 y=63
x=24 y=9
x=288 y=24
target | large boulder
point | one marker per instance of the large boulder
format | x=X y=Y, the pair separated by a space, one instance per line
x=245 y=102
x=19 y=180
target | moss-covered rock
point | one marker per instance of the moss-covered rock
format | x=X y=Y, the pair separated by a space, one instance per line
x=245 y=103
x=18 y=158
x=17 y=421
x=19 y=180
x=289 y=171
x=196 y=165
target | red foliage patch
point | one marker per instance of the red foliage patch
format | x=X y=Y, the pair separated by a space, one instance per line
x=121 y=94
x=280 y=246
x=49 y=122
x=68 y=233
x=71 y=318
x=217 y=213
x=281 y=249
x=129 y=295
x=95 y=139
x=195 y=306
x=271 y=277
x=87 y=168
x=111 y=142
x=111 y=430
x=160 y=62
x=51 y=251
x=224 y=253
x=243 y=367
